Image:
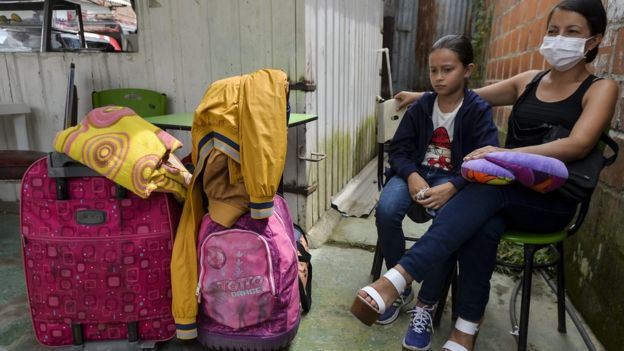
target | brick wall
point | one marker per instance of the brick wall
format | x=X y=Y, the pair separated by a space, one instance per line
x=595 y=256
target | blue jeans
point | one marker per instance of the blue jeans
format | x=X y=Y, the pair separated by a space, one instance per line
x=471 y=224
x=394 y=202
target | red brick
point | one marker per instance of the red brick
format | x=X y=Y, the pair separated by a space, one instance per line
x=495 y=70
x=544 y=7
x=541 y=62
x=515 y=66
x=535 y=36
x=531 y=9
x=618 y=59
x=521 y=11
x=506 y=22
x=543 y=25
x=513 y=20
x=525 y=60
x=523 y=42
x=494 y=31
x=498 y=9
x=513 y=41
x=506 y=65
x=601 y=63
x=537 y=60
x=503 y=44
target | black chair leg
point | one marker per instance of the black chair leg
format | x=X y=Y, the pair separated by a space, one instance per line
x=450 y=283
x=561 y=290
x=380 y=165
x=527 y=277
x=377 y=262
x=454 y=285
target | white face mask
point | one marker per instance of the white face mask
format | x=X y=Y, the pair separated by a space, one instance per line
x=563 y=52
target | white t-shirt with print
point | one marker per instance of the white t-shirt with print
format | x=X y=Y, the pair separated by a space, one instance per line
x=438 y=152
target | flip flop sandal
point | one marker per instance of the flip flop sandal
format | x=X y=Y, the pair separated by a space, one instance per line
x=366 y=312
x=466 y=327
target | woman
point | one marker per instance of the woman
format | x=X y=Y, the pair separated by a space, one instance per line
x=568 y=95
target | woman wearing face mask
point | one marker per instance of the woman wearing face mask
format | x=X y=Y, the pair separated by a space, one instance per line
x=567 y=95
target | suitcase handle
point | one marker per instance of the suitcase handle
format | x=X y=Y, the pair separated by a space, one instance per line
x=78 y=339
x=77 y=334
x=61 y=167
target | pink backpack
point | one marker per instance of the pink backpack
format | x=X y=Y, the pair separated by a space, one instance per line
x=248 y=282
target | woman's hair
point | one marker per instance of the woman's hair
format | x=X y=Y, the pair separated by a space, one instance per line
x=594 y=13
x=459 y=44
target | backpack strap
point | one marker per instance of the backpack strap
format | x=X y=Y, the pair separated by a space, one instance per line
x=612 y=145
x=304 y=256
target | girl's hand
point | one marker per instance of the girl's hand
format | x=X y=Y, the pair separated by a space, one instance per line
x=438 y=195
x=416 y=183
x=481 y=152
x=405 y=98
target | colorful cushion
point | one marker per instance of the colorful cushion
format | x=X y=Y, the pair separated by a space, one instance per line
x=540 y=173
x=486 y=172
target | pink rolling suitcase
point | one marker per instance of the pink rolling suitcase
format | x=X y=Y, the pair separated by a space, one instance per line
x=96 y=257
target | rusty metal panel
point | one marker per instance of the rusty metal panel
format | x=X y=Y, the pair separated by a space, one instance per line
x=419 y=23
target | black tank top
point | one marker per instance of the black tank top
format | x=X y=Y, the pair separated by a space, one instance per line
x=531 y=118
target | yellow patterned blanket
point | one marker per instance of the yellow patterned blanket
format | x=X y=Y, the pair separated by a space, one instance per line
x=117 y=143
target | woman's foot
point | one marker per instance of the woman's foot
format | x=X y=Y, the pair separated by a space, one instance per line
x=462 y=337
x=371 y=301
x=385 y=288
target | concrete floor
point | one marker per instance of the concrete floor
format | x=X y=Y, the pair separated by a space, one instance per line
x=341 y=266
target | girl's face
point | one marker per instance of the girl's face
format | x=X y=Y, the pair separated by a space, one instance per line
x=572 y=24
x=446 y=72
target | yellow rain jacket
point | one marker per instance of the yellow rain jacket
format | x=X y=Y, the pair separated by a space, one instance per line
x=243 y=117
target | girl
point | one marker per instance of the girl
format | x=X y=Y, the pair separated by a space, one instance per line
x=425 y=157
x=568 y=95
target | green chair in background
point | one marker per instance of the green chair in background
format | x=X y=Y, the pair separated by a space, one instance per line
x=145 y=103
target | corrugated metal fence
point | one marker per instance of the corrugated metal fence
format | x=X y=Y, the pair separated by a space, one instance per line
x=418 y=23
x=342 y=39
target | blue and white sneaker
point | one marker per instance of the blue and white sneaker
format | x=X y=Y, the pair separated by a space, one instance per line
x=420 y=330
x=392 y=312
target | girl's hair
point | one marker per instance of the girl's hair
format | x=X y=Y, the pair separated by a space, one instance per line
x=594 y=13
x=458 y=44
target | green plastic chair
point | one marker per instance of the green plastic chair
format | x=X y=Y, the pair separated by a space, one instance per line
x=145 y=103
x=532 y=242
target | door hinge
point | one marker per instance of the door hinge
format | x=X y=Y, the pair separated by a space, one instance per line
x=303 y=85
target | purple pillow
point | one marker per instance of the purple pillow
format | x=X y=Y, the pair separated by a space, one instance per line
x=540 y=173
x=486 y=172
